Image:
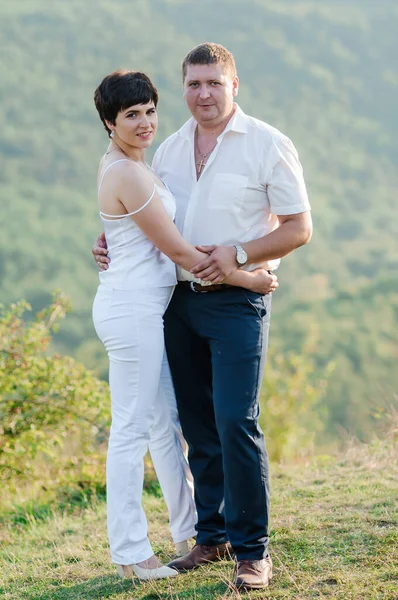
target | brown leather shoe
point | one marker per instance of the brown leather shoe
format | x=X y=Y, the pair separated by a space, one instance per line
x=253 y=574
x=201 y=555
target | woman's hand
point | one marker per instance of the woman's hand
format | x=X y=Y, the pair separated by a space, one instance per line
x=262 y=281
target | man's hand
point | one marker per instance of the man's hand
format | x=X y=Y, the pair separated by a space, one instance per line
x=263 y=282
x=100 y=252
x=220 y=263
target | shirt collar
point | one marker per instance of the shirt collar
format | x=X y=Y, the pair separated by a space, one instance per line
x=237 y=123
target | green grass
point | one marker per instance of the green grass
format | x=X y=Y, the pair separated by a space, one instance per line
x=334 y=535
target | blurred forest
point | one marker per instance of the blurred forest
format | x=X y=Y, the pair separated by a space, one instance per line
x=325 y=73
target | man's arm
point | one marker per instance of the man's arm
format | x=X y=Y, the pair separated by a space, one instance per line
x=294 y=231
x=100 y=252
x=287 y=197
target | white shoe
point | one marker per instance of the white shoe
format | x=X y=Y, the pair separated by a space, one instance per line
x=159 y=573
x=182 y=548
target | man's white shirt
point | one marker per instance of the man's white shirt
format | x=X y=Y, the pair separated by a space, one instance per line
x=252 y=176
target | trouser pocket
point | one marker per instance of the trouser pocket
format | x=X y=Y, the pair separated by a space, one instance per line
x=260 y=304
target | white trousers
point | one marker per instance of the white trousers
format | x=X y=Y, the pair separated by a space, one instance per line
x=144 y=415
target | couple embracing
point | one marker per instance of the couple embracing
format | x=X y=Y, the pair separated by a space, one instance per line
x=186 y=259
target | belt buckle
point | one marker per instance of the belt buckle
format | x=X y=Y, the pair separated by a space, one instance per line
x=192 y=286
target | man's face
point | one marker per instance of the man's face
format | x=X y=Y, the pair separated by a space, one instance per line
x=209 y=92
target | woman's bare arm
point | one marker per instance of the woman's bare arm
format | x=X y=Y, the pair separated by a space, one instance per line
x=133 y=190
x=259 y=280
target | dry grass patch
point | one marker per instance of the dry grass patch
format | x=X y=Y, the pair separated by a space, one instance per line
x=334 y=536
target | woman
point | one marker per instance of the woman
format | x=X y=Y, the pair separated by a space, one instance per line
x=137 y=211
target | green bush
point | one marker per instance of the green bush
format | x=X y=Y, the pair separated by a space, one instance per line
x=54 y=413
x=291 y=414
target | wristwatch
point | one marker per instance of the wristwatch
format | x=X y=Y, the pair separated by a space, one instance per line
x=241 y=256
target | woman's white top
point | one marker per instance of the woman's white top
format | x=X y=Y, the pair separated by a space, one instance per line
x=136 y=263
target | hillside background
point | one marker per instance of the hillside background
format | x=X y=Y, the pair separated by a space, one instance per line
x=324 y=72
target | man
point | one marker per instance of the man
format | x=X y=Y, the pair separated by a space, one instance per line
x=238 y=183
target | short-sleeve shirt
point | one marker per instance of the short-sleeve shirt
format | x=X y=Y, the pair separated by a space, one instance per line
x=252 y=176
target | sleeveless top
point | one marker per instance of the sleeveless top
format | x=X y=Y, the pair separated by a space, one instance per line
x=136 y=263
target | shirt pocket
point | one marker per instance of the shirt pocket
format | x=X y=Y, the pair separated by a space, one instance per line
x=227 y=192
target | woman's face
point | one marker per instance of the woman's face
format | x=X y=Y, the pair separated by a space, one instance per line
x=136 y=126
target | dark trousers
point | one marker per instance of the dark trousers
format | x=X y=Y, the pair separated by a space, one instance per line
x=216 y=344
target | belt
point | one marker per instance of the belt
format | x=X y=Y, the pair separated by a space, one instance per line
x=203 y=289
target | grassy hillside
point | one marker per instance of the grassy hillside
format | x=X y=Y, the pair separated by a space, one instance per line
x=334 y=536
x=324 y=73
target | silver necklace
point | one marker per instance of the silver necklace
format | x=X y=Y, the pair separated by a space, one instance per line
x=203 y=157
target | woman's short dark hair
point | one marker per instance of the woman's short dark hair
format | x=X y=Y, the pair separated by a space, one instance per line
x=122 y=89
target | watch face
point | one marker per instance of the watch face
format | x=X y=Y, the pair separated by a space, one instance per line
x=241 y=258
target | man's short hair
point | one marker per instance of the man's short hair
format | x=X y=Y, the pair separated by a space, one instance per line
x=210 y=53
x=122 y=89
